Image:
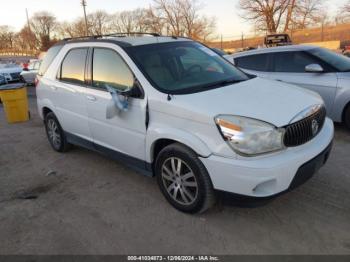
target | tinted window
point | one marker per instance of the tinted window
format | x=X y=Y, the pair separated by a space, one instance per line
x=184 y=67
x=109 y=69
x=253 y=62
x=49 y=57
x=292 y=62
x=73 y=66
x=340 y=62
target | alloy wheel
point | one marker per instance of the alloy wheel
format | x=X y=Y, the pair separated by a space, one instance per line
x=179 y=181
x=53 y=132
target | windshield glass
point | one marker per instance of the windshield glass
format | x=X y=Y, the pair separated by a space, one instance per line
x=184 y=67
x=340 y=62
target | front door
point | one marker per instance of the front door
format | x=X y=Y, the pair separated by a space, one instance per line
x=289 y=67
x=122 y=132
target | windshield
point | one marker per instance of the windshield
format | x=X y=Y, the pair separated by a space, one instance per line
x=184 y=67
x=340 y=62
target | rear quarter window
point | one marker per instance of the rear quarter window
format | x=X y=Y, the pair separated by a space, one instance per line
x=253 y=62
x=49 y=57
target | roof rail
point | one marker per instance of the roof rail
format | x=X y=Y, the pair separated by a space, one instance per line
x=109 y=35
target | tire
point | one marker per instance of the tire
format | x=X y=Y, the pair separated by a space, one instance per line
x=347 y=117
x=188 y=188
x=55 y=134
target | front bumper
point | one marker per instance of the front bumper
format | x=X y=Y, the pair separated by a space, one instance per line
x=273 y=174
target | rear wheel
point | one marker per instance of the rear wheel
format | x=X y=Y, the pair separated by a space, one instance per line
x=55 y=134
x=183 y=179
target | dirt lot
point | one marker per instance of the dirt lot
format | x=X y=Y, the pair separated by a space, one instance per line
x=84 y=203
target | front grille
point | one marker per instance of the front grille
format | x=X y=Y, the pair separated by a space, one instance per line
x=305 y=130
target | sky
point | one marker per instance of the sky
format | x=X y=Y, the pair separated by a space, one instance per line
x=229 y=23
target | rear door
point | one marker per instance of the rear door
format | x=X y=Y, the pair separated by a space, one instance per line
x=69 y=93
x=258 y=65
x=290 y=66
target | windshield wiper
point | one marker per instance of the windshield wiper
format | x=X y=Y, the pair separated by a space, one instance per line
x=225 y=82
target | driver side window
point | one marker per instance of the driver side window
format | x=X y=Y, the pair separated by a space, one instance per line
x=292 y=62
x=109 y=69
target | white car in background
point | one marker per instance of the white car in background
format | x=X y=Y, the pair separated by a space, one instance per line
x=314 y=68
x=28 y=75
x=11 y=72
x=175 y=109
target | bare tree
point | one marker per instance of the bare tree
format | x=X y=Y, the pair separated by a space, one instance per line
x=308 y=12
x=130 y=21
x=6 y=37
x=266 y=14
x=72 y=29
x=182 y=18
x=343 y=14
x=99 y=22
x=279 y=15
x=26 y=39
x=43 y=24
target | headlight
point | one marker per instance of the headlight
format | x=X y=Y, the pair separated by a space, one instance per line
x=248 y=136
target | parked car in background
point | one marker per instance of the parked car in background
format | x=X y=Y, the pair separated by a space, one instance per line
x=28 y=75
x=2 y=80
x=173 y=108
x=11 y=72
x=313 y=68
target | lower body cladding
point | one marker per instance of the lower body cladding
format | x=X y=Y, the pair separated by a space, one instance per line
x=271 y=175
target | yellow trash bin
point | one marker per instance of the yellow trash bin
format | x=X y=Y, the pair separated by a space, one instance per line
x=15 y=101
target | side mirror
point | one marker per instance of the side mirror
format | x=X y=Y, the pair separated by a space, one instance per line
x=314 y=68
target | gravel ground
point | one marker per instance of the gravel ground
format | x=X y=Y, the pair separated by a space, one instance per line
x=84 y=203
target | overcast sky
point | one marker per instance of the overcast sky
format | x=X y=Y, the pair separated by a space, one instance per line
x=228 y=21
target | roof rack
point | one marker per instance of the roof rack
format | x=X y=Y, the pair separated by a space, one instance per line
x=109 y=35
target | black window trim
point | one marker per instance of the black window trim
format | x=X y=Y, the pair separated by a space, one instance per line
x=59 y=72
x=326 y=66
x=89 y=72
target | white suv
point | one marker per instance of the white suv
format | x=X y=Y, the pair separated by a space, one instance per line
x=173 y=108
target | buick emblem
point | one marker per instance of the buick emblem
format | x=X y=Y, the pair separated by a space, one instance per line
x=314 y=127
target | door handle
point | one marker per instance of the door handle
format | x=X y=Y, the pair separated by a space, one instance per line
x=279 y=80
x=91 y=98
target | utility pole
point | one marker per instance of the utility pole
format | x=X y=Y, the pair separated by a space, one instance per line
x=28 y=24
x=83 y=3
x=221 y=42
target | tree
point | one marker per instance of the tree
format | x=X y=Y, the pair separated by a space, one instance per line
x=182 y=18
x=275 y=16
x=343 y=14
x=308 y=12
x=99 y=22
x=43 y=24
x=6 y=37
x=26 y=39
x=130 y=21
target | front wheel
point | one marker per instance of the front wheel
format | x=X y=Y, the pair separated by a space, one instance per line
x=183 y=179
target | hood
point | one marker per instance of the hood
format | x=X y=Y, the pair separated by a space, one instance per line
x=270 y=101
x=11 y=70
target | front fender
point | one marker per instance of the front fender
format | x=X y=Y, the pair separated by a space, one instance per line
x=178 y=135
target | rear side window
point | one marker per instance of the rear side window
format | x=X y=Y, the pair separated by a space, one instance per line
x=292 y=62
x=109 y=69
x=49 y=57
x=253 y=62
x=73 y=66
